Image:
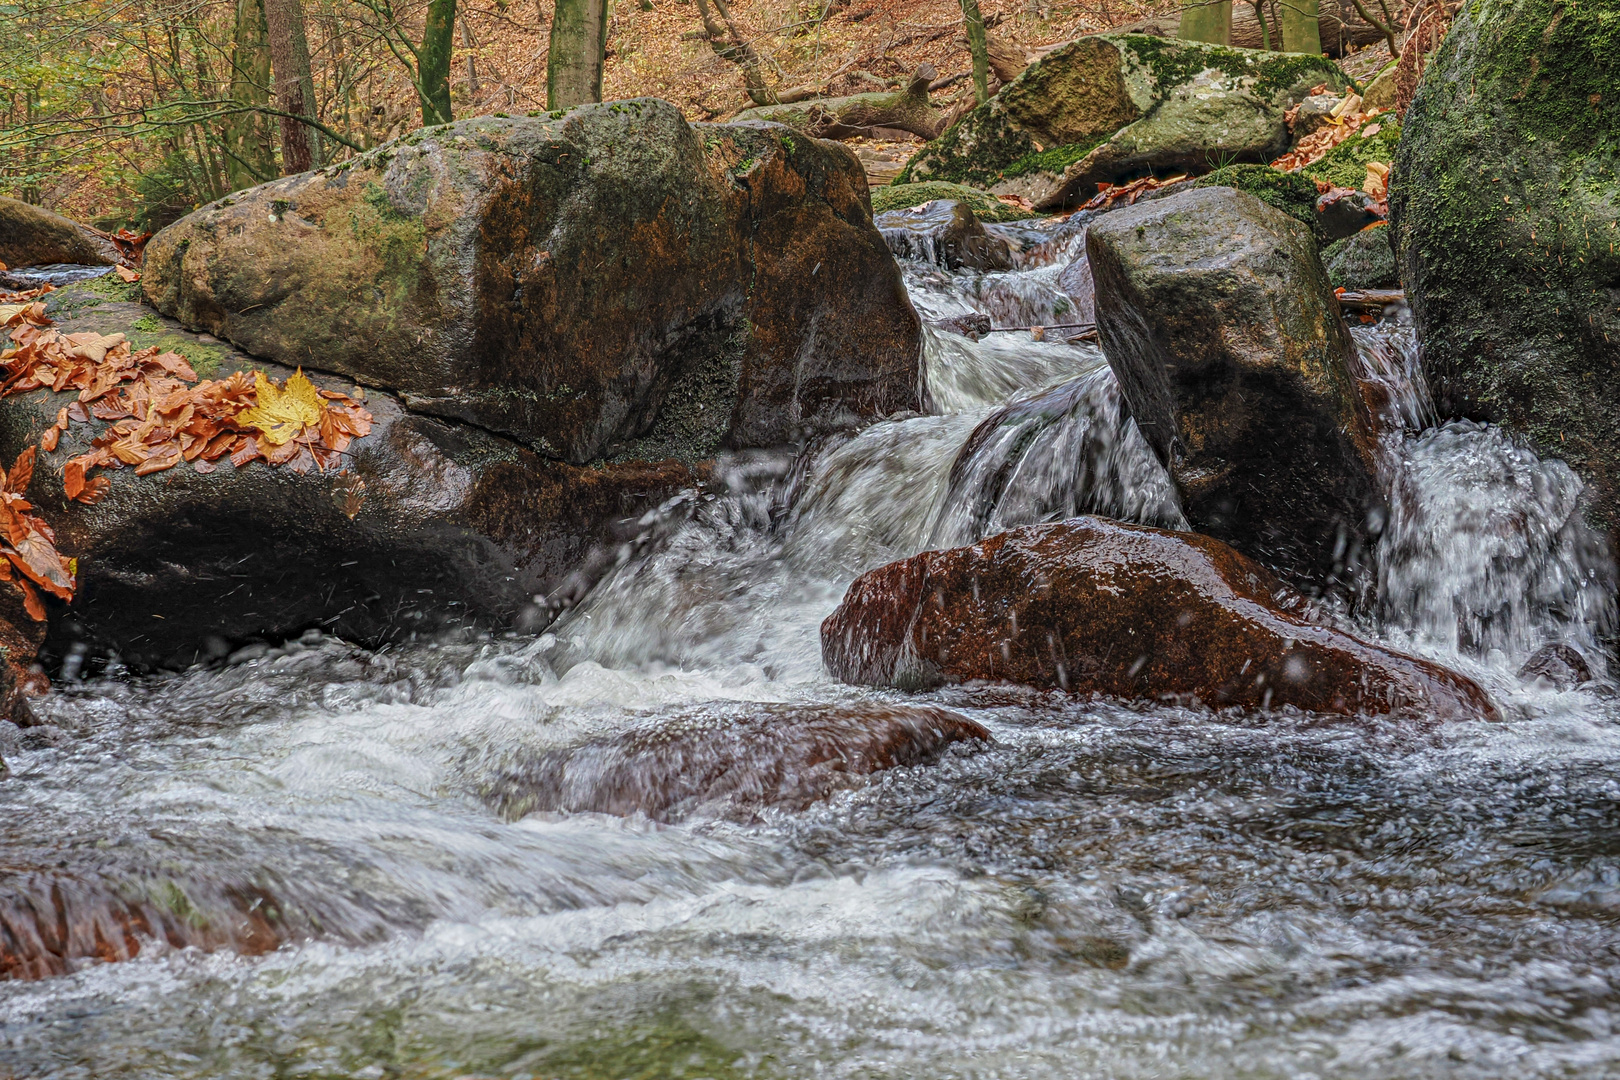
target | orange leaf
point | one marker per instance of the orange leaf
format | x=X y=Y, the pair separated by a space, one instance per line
x=47 y=441
x=37 y=558
x=22 y=472
x=73 y=478
x=31 y=601
x=94 y=489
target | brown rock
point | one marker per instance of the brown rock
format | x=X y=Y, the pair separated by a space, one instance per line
x=1218 y=319
x=1095 y=606
x=33 y=236
x=52 y=922
x=614 y=282
x=733 y=759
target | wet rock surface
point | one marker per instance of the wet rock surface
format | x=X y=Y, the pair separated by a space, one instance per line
x=52 y=923
x=1363 y=260
x=1218 y=320
x=570 y=282
x=430 y=525
x=31 y=235
x=732 y=760
x=1506 y=206
x=1095 y=606
x=1561 y=666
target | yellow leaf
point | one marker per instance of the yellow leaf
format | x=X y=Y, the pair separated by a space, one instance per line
x=282 y=414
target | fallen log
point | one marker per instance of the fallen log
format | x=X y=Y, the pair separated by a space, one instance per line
x=906 y=110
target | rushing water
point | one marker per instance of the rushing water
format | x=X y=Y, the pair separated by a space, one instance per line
x=1102 y=891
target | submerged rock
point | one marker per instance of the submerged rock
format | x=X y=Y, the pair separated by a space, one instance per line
x=32 y=235
x=945 y=232
x=430 y=525
x=53 y=922
x=1095 y=606
x=1217 y=318
x=1107 y=107
x=1560 y=665
x=1506 y=206
x=731 y=760
x=558 y=280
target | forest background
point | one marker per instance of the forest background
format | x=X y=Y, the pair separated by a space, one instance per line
x=133 y=112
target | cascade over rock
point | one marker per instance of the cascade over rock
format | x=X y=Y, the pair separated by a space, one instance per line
x=1230 y=349
x=1090 y=605
x=556 y=279
x=1506 y=208
x=944 y=231
x=1110 y=106
x=34 y=236
x=431 y=524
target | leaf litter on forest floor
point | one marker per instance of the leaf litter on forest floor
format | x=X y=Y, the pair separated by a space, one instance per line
x=160 y=415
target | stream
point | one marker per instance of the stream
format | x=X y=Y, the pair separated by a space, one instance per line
x=1104 y=890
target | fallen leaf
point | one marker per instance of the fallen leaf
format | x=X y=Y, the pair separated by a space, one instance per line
x=31 y=601
x=22 y=472
x=127 y=275
x=283 y=413
x=47 y=441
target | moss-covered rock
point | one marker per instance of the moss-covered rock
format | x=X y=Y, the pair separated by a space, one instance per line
x=1363 y=260
x=560 y=278
x=1346 y=164
x=1291 y=193
x=1107 y=107
x=32 y=235
x=1506 y=207
x=985 y=207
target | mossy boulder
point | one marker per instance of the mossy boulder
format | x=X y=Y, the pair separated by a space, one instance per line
x=1291 y=193
x=558 y=278
x=985 y=207
x=33 y=236
x=1363 y=260
x=1506 y=209
x=1107 y=107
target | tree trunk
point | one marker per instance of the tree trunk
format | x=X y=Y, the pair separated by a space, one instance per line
x=295 y=87
x=471 y=46
x=433 y=62
x=1301 y=32
x=250 y=155
x=578 y=50
x=1207 y=20
x=858 y=114
x=979 y=50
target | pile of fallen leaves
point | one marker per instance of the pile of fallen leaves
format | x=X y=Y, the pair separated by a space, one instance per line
x=160 y=415
x=1344 y=121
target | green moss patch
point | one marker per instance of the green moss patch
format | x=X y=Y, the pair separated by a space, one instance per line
x=1346 y=164
x=985 y=207
x=974 y=151
x=204 y=359
x=1174 y=62
x=1293 y=194
x=1054 y=160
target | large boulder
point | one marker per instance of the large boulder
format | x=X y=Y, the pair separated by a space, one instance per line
x=1506 y=209
x=1108 y=107
x=1095 y=606
x=33 y=236
x=730 y=760
x=557 y=278
x=1218 y=320
x=429 y=525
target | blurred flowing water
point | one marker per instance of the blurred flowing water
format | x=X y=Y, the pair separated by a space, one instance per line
x=1102 y=891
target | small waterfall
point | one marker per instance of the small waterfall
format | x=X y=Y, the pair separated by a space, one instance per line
x=1486 y=548
x=1068 y=450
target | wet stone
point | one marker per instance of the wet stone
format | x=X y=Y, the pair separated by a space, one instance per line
x=731 y=760
x=1095 y=606
x=1561 y=665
